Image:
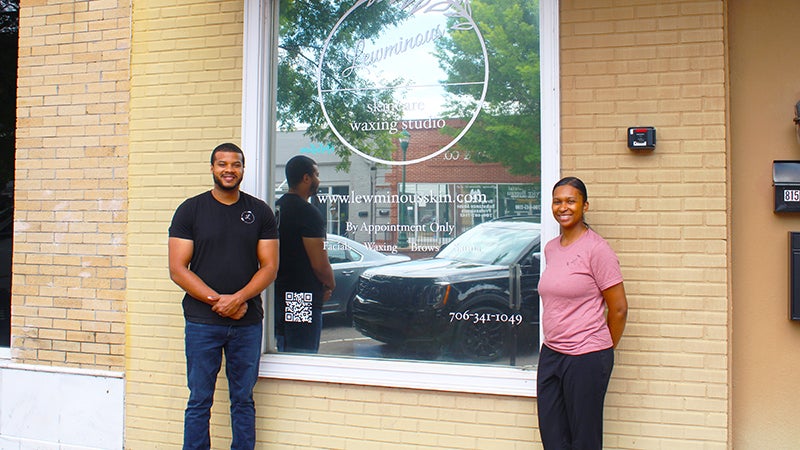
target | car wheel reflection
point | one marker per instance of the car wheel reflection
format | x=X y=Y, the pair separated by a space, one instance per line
x=478 y=340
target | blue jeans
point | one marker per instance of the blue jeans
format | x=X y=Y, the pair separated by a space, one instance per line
x=301 y=337
x=205 y=345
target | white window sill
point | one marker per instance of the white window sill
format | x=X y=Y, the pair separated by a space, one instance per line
x=468 y=378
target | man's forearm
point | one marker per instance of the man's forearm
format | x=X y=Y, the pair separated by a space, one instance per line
x=260 y=281
x=326 y=277
x=193 y=285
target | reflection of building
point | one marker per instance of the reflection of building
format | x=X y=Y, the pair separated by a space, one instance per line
x=337 y=186
x=449 y=193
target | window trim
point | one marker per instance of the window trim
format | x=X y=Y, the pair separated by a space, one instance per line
x=258 y=91
x=435 y=376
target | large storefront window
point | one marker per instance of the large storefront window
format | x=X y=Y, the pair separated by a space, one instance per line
x=424 y=120
x=9 y=34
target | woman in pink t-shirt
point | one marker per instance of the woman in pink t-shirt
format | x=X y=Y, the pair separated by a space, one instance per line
x=582 y=279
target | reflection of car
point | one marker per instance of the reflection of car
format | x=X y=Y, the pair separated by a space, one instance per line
x=459 y=299
x=349 y=259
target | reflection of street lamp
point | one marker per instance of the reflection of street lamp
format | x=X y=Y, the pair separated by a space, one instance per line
x=373 y=176
x=402 y=239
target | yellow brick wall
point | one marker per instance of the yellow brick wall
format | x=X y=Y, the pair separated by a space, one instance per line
x=661 y=64
x=186 y=88
x=69 y=268
x=645 y=62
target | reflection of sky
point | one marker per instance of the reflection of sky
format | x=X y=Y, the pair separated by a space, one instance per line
x=367 y=69
x=418 y=67
x=419 y=63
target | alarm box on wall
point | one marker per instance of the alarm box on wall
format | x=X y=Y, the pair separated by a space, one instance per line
x=786 y=180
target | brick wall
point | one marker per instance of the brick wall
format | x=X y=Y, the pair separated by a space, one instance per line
x=451 y=166
x=660 y=64
x=645 y=62
x=186 y=88
x=68 y=305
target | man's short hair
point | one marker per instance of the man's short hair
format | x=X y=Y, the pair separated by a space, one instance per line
x=227 y=147
x=298 y=166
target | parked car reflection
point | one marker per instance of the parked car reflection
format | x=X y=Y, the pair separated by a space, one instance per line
x=349 y=259
x=458 y=301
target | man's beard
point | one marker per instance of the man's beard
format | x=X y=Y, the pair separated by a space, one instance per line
x=219 y=183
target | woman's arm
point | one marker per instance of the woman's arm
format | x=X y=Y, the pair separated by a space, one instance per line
x=617 y=311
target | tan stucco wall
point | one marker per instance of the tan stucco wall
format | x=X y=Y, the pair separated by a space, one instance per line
x=765 y=85
x=646 y=62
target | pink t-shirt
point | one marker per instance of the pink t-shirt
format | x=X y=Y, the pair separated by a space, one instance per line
x=573 y=318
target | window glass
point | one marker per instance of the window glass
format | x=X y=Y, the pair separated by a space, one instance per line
x=9 y=35
x=424 y=121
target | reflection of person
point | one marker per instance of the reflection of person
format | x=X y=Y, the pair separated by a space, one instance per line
x=305 y=277
x=582 y=277
x=223 y=251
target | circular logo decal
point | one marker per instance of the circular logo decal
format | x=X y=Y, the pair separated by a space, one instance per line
x=248 y=217
x=396 y=78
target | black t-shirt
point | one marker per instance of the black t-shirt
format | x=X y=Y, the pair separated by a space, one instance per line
x=297 y=219
x=225 y=257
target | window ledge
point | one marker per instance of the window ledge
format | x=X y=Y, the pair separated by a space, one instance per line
x=10 y=365
x=467 y=378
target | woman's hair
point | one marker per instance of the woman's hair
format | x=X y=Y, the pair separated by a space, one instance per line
x=577 y=184
x=574 y=182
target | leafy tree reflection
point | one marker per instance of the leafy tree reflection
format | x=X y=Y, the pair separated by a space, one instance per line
x=304 y=28
x=508 y=129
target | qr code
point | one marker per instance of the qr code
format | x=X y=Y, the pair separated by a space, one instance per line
x=298 y=307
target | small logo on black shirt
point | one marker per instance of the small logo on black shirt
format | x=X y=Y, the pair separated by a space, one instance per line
x=248 y=217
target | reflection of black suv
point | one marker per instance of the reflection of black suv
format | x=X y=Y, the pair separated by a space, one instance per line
x=458 y=300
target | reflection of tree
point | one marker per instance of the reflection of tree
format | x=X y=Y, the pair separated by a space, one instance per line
x=9 y=16
x=304 y=27
x=508 y=129
x=9 y=30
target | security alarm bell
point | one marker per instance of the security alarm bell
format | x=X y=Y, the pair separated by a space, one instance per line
x=642 y=138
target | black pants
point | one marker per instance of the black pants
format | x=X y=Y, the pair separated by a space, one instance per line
x=571 y=391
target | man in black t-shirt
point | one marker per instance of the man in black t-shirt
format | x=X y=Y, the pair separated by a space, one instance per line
x=305 y=277
x=223 y=252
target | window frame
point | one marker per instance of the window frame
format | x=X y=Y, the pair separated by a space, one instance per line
x=258 y=93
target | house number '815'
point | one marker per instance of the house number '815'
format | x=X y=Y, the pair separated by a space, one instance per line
x=791 y=195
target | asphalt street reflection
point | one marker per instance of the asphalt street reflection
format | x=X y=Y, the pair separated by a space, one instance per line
x=339 y=338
